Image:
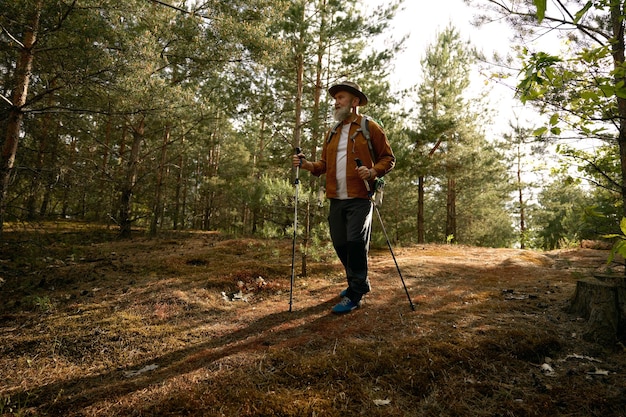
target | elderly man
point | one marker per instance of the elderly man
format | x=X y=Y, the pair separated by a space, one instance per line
x=350 y=216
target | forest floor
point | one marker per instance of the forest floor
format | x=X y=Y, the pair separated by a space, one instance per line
x=198 y=324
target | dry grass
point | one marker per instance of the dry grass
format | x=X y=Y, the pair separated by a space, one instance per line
x=91 y=326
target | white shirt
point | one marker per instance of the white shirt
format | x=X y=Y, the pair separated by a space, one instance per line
x=342 y=158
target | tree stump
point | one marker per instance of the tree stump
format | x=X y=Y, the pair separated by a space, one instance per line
x=602 y=301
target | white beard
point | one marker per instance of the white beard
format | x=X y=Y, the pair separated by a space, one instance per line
x=342 y=113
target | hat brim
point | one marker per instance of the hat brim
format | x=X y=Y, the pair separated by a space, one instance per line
x=344 y=87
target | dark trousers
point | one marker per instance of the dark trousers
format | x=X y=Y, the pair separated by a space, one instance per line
x=350 y=224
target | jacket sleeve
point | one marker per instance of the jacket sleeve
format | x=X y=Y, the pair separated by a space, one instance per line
x=319 y=166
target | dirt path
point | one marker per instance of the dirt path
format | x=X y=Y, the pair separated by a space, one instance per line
x=199 y=325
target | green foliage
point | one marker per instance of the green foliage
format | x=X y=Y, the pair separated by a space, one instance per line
x=465 y=183
x=562 y=214
x=15 y=406
x=581 y=91
x=38 y=303
x=557 y=83
x=541 y=9
x=539 y=74
x=207 y=99
x=586 y=87
x=619 y=247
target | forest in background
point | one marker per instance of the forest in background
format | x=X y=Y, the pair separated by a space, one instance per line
x=183 y=115
x=174 y=122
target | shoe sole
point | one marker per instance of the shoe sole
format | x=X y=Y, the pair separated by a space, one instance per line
x=344 y=312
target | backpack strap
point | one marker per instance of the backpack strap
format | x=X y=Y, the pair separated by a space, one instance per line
x=331 y=133
x=365 y=120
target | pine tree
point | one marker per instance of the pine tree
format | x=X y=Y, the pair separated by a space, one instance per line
x=451 y=151
x=326 y=44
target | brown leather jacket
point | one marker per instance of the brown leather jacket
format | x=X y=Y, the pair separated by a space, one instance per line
x=357 y=148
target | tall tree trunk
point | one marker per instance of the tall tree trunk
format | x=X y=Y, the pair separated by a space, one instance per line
x=179 y=191
x=157 y=209
x=617 y=20
x=298 y=125
x=522 y=214
x=128 y=186
x=198 y=198
x=104 y=171
x=67 y=180
x=420 y=210
x=16 y=115
x=211 y=171
x=45 y=177
x=451 y=235
x=315 y=133
x=316 y=130
x=37 y=178
x=207 y=213
x=183 y=198
x=618 y=61
x=51 y=177
x=258 y=158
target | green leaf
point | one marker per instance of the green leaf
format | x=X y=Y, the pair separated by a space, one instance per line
x=554 y=119
x=611 y=256
x=620 y=92
x=592 y=211
x=607 y=90
x=540 y=131
x=541 y=9
x=620 y=247
x=582 y=12
x=589 y=95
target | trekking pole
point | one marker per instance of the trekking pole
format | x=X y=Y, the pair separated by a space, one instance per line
x=295 y=228
x=369 y=191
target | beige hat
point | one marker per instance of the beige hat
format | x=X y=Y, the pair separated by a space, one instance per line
x=350 y=87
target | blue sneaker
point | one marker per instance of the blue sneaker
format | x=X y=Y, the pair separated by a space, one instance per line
x=345 y=306
x=343 y=293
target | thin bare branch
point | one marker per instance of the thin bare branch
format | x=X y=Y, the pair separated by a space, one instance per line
x=12 y=37
x=587 y=30
x=6 y=100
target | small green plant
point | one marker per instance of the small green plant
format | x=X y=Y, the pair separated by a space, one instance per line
x=619 y=247
x=9 y=406
x=38 y=303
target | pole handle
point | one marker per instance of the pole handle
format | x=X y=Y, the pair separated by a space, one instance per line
x=298 y=151
x=359 y=164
